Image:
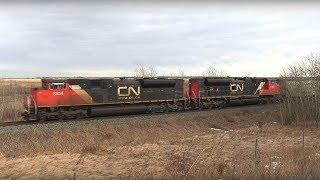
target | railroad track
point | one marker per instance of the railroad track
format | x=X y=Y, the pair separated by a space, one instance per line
x=133 y=116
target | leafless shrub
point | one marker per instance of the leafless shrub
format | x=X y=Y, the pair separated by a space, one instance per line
x=90 y=149
x=301 y=89
x=145 y=71
x=178 y=163
x=181 y=72
x=213 y=70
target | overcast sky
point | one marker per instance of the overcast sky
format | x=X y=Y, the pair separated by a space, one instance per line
x=111 y=39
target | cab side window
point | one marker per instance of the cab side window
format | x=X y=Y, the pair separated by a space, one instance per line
x=44 y=86
x=273 y=82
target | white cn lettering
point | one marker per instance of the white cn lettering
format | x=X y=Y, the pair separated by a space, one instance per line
x=126 y=91
x=236 y=87
x=58 y=93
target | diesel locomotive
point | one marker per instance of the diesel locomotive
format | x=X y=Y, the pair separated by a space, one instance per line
x=84 y=97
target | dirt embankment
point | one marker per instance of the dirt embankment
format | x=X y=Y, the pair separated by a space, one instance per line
x=244 y=143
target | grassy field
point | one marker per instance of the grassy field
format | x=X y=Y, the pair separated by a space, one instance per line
x=245 y=144
x=12 y=92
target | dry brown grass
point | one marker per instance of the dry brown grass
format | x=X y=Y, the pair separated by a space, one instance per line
x=12 y=92
x=177 y=147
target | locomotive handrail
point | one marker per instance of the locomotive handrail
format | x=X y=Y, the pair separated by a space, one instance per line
x=28 y=104
x=35 y=106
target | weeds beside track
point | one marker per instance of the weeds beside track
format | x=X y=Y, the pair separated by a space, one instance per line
x=12 y=93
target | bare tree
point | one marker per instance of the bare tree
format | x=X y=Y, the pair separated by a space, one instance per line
x=223 y=73
x=296 y=70
x=181 y=72
x=308 y=66
x=212 y=70
x=301 y=88
x=247 y=74
x=152 y=71
x=143 y=71
x=314 y=64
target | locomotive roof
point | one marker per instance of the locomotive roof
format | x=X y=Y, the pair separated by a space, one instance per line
x=53 y=80
x=61 y=80
x=65 y=79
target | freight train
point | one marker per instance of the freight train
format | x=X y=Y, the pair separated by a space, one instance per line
x=83 y=97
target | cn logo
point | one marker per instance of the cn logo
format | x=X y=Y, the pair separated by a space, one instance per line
x=124 y=91
x=236 y=87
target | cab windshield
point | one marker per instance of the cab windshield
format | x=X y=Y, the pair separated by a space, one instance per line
x=57 y=86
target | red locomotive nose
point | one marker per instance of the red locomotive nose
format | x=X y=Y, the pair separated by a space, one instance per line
x=271 y=87
x=28 y=101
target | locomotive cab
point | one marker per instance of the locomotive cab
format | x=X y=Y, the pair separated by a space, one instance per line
x=57 y=93
x=44 y=95
x=269 y=87
x=55 y=96
x=54 y=84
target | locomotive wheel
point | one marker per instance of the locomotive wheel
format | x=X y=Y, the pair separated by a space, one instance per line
x=151 y=109
x=164 y=107
x=180 y=106
x=79 y=115
x=42 y=117
x=26 y=117
x=201 y=106
x=61 y=116
x=222 y=105
x=173 y=107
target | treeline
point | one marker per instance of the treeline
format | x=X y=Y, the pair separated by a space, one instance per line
x=301 y=103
